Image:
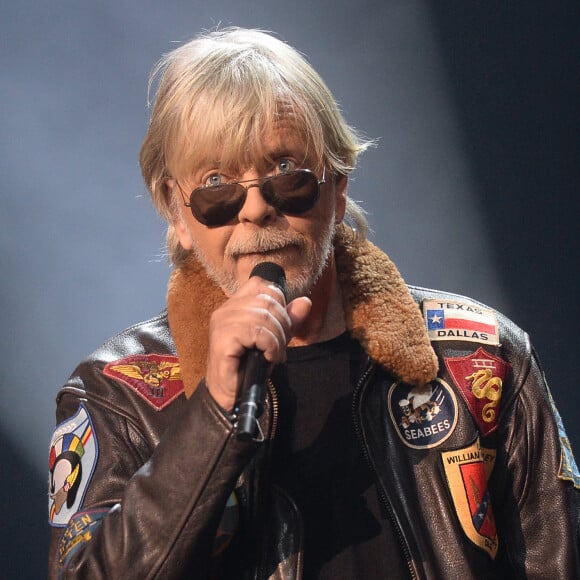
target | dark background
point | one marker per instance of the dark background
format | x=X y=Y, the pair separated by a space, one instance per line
x=472 y=189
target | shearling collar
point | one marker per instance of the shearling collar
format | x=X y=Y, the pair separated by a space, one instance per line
x=379 y=310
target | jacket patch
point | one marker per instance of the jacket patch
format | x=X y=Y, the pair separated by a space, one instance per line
x=479 y=377
x=78 y=532
x=424 y=416
x=467 y=471
x=568 y=467
x=155 y=378
x=71 y=462
x=453 y=320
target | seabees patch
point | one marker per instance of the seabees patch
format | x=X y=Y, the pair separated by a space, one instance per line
x=455 y=320
x=425 y=416
x=71 y=462
x=467 y=471
x=155 y=378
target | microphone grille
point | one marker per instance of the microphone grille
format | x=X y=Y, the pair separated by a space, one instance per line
x=271 y=272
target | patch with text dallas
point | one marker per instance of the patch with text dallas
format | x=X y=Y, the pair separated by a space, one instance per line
x=455 y=320
x=424 y=416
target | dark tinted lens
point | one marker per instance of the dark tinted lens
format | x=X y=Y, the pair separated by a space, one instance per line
x=217 y=205
x=292 y=193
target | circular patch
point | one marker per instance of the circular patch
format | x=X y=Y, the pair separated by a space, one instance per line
x=424 y=416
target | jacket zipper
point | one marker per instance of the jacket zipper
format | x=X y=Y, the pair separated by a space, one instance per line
x=381 y=492
x=275 y=405
x=268 y=437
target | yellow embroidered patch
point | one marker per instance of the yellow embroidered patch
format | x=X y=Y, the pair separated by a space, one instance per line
x=467 y=471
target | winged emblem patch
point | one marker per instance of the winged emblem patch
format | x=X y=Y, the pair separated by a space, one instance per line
x=155 y=378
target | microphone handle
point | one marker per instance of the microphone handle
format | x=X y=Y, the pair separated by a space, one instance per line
x=250 y=405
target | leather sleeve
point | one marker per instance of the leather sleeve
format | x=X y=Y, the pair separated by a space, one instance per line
x=162 y=512
x=537 y=495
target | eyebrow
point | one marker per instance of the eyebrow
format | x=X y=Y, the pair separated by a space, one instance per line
x=286 y=150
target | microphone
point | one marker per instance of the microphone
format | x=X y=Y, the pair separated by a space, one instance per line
x=250 y=404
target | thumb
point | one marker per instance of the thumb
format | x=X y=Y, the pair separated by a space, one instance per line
x=298 y=310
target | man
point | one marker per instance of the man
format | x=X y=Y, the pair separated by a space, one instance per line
x=402 y=432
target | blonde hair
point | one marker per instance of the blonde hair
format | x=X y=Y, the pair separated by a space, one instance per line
x=221 y=92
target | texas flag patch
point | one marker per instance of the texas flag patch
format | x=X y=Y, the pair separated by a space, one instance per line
x=155 y=378
x=454 y=320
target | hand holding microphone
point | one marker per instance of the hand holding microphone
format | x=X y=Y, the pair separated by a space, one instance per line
x=247 y=335
x=250 y=404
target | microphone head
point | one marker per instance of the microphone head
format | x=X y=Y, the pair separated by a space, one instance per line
x=272 y=273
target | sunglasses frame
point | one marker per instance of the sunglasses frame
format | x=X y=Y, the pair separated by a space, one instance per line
x=259 y=183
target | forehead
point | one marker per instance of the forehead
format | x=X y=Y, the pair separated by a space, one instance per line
x=251 y=144
x=283 y=138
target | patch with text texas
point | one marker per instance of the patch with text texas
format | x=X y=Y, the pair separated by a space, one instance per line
x=454 y=320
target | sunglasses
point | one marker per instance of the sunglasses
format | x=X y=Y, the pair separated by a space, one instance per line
x=291 y=193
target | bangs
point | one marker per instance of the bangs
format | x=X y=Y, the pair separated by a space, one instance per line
x=224 y=123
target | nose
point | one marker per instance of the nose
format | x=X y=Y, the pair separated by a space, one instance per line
x=256 y=209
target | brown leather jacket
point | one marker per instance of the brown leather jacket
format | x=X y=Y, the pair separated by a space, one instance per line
x=452 y=411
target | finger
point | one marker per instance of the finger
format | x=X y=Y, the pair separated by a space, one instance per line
x=257 y=285
x=264 y=309
x=242 y=325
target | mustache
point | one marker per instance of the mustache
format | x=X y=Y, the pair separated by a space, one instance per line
x=263 y=241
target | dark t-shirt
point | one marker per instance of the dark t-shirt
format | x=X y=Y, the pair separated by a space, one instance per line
x=318 y=460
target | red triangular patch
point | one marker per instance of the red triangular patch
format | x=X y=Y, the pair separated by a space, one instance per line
x=154 y=377
x=480 y=377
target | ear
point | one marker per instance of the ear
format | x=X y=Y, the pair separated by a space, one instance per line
x=177 y=219
x=340 y=192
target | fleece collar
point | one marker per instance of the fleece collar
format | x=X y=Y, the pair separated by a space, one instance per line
x=379 y=311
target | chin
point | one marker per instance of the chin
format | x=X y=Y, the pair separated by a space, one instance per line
x=301 y=281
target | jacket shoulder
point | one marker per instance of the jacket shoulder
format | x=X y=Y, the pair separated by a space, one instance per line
x=149 y=340
x=149 y=336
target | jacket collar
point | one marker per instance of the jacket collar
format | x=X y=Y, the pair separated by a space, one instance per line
x=379 y=310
